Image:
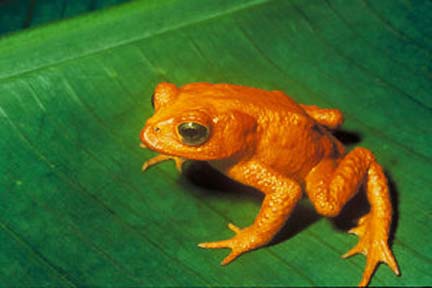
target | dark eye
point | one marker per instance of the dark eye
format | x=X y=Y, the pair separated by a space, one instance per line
x=193 y=133
x=152 y=100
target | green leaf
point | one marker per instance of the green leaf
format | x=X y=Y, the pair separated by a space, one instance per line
x=75 y=209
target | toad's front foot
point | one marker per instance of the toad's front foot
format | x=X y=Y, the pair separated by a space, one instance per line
x=245 y=240
x=374 y=245
x=160 y=158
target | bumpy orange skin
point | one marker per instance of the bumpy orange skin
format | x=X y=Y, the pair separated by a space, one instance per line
x=265 y=140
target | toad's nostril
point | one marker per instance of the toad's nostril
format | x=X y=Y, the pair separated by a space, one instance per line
x=156 y=129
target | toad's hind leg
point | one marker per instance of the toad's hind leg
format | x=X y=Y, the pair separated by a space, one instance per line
x=330 y=186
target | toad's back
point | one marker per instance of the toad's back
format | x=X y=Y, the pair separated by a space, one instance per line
x=242 y=97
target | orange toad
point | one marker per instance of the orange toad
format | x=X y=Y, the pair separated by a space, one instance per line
x=265 y=140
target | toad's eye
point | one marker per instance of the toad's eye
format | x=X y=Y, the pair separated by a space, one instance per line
x=193 y=133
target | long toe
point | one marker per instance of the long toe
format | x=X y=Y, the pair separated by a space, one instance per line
x=378 y=252
x=216 y=244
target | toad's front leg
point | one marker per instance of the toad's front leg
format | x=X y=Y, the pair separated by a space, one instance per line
x=160 y=158
x=281 y=196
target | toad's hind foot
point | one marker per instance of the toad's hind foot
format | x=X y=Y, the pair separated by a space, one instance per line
x=245 y=240
x=372 y=245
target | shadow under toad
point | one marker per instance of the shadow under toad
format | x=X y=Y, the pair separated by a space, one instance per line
x=216 y=184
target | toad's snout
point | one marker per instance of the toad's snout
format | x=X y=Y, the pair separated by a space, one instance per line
x=158 y=135
x=149 y=135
